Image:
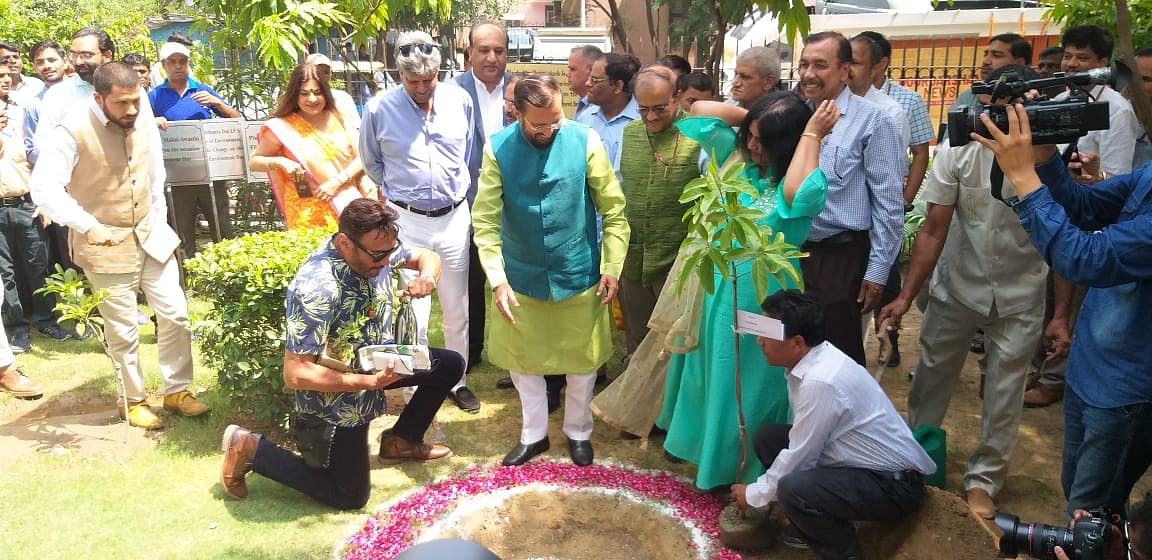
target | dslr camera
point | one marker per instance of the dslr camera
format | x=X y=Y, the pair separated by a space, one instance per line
x=1088 y=539
x=1052 y=122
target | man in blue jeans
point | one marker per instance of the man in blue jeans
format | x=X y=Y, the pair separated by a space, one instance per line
x=346 y=286
x=1099 y=236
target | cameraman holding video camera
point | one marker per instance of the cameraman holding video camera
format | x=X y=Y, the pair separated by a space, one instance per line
x=1086 y=47
x=1097 y=236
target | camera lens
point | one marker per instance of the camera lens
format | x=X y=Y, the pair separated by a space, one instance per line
x=1034 y=539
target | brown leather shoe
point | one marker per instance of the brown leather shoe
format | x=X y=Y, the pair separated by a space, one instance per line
x=15 y=383
x=239 y=447
x=395 y=450
x=1041 y=396
x=980 y=502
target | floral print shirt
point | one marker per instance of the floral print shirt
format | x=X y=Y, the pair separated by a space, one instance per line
x=328 y=303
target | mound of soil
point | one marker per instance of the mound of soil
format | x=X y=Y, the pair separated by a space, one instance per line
x=574 y=525
x=943 y=529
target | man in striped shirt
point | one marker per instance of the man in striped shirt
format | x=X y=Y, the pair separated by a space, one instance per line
x=856 y=238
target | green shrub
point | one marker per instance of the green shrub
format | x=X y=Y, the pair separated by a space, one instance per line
x=242 y=335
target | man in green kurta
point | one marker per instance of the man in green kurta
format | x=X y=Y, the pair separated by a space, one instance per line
x=657 y=160
x=534 y=224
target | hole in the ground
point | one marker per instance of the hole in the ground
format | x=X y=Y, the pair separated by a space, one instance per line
x=570 y=524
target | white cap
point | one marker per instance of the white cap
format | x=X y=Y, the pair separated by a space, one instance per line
x=170 y=48
x=318 y=59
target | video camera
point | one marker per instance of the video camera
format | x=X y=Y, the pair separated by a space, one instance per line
x=1088 y=539
x=1052 y=122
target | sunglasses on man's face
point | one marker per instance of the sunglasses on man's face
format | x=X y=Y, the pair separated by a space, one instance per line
x=406 y=50
x=376 y=256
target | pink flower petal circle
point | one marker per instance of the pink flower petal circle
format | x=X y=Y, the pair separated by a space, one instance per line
x=397 y=526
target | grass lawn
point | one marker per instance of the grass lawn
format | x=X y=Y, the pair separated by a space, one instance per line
x=158 y=496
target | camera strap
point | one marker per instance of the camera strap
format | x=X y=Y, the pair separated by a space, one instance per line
x=996 y=178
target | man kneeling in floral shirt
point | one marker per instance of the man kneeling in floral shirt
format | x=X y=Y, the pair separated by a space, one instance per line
x=346 y=287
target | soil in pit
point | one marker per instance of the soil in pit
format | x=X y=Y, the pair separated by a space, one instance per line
x=585 y=525
x=574 y=525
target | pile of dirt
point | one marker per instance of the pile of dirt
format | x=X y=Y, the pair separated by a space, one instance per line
x=943 y=529
x=576 y=525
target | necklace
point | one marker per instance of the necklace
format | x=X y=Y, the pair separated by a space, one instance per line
x=659 y=158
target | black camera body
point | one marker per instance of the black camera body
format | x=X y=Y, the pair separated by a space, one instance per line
x=1052 y=122
x=1086 y=540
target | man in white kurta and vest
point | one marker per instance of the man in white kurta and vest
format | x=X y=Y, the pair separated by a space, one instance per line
x=116 y=213
x=535 y=228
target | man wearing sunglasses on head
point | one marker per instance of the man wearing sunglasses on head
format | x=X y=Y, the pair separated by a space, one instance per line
x=416 y=142
x=345 y=283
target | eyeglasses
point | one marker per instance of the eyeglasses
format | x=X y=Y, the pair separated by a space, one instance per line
x=659 y=110
x=406 y=50
x=83 y=55
x=510 y=101
x=542 y=128
x=596 y=80
x=376 y=256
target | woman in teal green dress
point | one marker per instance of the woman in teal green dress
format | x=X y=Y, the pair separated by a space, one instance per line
x=699 y=412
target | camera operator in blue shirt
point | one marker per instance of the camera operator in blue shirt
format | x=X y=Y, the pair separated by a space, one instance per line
x=1101 y=237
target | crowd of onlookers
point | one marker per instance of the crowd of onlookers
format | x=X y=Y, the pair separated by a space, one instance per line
x=835 y=163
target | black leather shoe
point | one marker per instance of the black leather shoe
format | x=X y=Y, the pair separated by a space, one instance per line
x=505 y=383
x=672 y=458
x=523 y=453
x=655 y=432
x=466 y=400
x=602 y=375
x=581 y=452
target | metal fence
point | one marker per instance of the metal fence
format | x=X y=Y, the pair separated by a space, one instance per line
x=938 y=68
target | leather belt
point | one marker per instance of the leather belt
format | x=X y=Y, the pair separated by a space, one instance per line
x=912 y=476
x=14 y=201
x=429 y=213
x=838 y=239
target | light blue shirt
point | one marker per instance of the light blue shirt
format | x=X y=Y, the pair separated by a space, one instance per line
x=72 y=94
x=864 y=161
x=611 y=131
x=920 y=125
x=417 y=158
x=582 y=105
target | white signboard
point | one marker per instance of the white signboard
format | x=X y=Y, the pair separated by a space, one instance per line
x=199 y=152
x=184 y=159
x=224 y=149
x=250 y=130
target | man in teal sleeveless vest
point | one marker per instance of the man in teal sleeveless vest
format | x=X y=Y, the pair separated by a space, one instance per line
x=534 y=224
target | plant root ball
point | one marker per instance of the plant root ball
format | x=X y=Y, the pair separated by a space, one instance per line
x=748 y=530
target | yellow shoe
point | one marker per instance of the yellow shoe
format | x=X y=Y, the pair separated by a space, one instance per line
x=184 y=403
x=140 y=415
